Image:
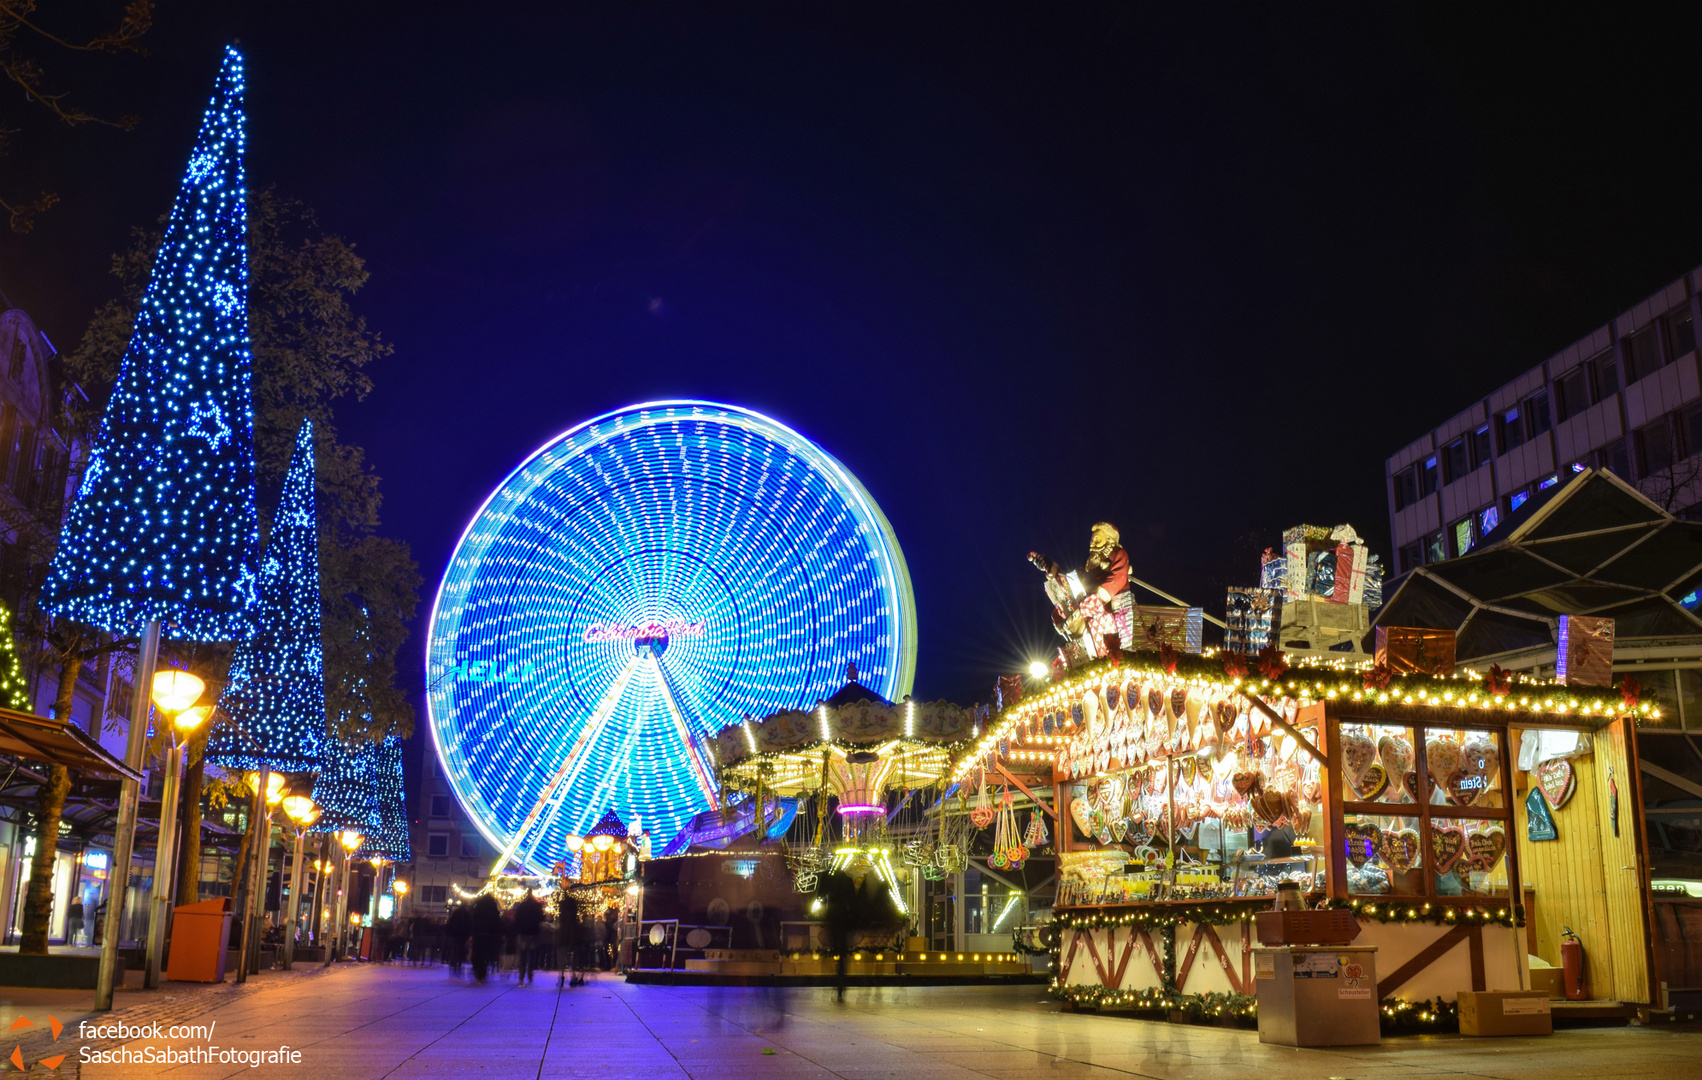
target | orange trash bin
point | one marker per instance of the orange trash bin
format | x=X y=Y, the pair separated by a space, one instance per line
x=200 y=933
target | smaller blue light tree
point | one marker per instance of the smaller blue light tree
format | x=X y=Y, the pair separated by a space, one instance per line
x=344 y=789
x=275 y=699
x=389 y=836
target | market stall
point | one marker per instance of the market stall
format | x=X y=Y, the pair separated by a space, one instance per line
x=1190 y=787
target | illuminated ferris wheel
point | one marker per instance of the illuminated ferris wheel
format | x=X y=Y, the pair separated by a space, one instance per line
x=633 y=586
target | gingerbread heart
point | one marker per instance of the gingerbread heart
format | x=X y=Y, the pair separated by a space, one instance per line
x=1358 y=752
x=1119 y=829
x=1188 y=767
x=1409 y=781
x=1447 y=843
x=1480 y=760
x=1178 y=703
x=1246 y=783
x=1223 y=717
x=1155 y=701
x=1395 y=754
x=1442 y=758
x=1485 y=848
x=1268 y=806
x=1080 y=809
x=1299 y=811
x=1364 y=839
x=1400 y=849
x=1557 y=780
x=1373 y=783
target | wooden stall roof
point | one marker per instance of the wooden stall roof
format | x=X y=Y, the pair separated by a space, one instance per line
x=38 y=738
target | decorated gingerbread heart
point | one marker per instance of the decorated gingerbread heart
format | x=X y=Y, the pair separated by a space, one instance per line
x=1409 y=781
x=1447 y=843
x=1246 y=783
x=1395 y=754
x=1358 y=752
x=1400 y=849
x=1486 y=847
x=1480 y=760
x=1442 y=758
x=1268 y=806
x=1080 y=811
x=1557 y=779
x=1373 y=783
x=1364 y=839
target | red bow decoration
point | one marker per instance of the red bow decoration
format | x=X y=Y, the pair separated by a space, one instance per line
x=1378 y=677
x=1234 y=665
x=1272 y=664
x=1167 y=658
x=1631 y=691
x=1499 y=683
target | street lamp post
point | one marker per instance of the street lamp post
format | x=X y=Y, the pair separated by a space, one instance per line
x=350 y=841
x=173 y=693
x=269 y=791
x=301 y=810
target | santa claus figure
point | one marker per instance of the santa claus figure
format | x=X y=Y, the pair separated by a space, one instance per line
x=1083 y=602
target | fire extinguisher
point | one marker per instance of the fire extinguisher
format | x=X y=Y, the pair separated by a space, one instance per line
x=1572 y=964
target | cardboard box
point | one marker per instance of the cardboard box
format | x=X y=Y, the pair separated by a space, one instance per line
x=1322 y=926
x=1585 y=655
x=1416 y=650
x=1547 y=981
x=1505 y=1012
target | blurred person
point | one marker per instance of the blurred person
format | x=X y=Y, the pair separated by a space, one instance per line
x=528 y=919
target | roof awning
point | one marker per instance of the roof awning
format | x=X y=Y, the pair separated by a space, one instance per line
x=26 y=735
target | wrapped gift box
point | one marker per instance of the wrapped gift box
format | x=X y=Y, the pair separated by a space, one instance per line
x=1273 y=570
x=1585 y=656
x=1373 y=598
x=1161 y=624
x=1253 y=615
x=1413 y=649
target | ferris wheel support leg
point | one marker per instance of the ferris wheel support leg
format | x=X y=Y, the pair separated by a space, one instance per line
x=570 y=765
x=699 y=771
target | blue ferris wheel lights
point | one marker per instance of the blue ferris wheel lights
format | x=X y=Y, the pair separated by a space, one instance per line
x=703 y=560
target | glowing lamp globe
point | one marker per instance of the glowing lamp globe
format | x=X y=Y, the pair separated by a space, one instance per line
x=175 y=691
x=274 y=784
x=575 y=843
x=401 y=887
x=1038 y=670
x=298 y=807
x=190 y=719
x=603 y=842
x=632 y=584
x=350 y=840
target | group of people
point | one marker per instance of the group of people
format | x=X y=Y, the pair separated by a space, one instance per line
x=482 y=934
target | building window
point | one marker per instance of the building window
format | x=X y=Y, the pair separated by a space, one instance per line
x=1406 y=488
x=1465 y=534
x=1481 y=447
x=1512 y=429
x=1487 y=519
x=1517 y=499
x=434 y=894
x=1656 y=449
x=1679 y=331
x=468 y=851
x=1572 y=392
x=1412 y=556
x=1427 y=476
x=437 y=845
x=1604 y=374
x=1436 y=547
x=1615 y=458
x=440 y=806
x=1537 y=417
x=1455 y=462
x=1642 y=354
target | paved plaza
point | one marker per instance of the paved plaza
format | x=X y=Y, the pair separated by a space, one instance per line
x=356 y=1023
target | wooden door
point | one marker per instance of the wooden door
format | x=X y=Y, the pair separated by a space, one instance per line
x=1625 y=866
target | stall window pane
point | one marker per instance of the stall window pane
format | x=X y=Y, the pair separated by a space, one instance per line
x=1463 y=768
x=1384 y=855
x=1469 y=856
x=1690 y=699
x=1663 y=687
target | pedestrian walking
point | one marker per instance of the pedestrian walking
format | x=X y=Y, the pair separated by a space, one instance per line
x=528 y=918
x=457 y=930
x=487 y=935
x=567 y=944
x=74 y=922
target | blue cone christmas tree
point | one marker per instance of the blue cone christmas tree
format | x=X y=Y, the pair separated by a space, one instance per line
x=344 y=789
x=163 y=526
x=274 y=703
x=388 y=838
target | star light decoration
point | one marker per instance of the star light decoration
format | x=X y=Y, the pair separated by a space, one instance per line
x=163 y=526
x=634 y=583
x=275 y=699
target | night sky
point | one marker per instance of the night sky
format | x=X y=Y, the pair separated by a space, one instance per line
x=1196 y=270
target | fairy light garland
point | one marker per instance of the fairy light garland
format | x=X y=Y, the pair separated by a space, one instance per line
x=163 y=525
x=722 y=562
x=14 y=688
x=1396 y=1016
x=274 y=701
x=1313 y=682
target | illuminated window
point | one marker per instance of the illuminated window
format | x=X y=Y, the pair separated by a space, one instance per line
x=1427 y=473
x=1544 y=485
x=1487 y=519
x=1516 y=500
x=1465 y=536
x=1436 y=547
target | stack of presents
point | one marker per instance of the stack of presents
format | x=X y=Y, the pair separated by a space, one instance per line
x=1315 y=595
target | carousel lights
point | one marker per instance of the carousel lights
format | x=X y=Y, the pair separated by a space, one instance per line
x=758 y=508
